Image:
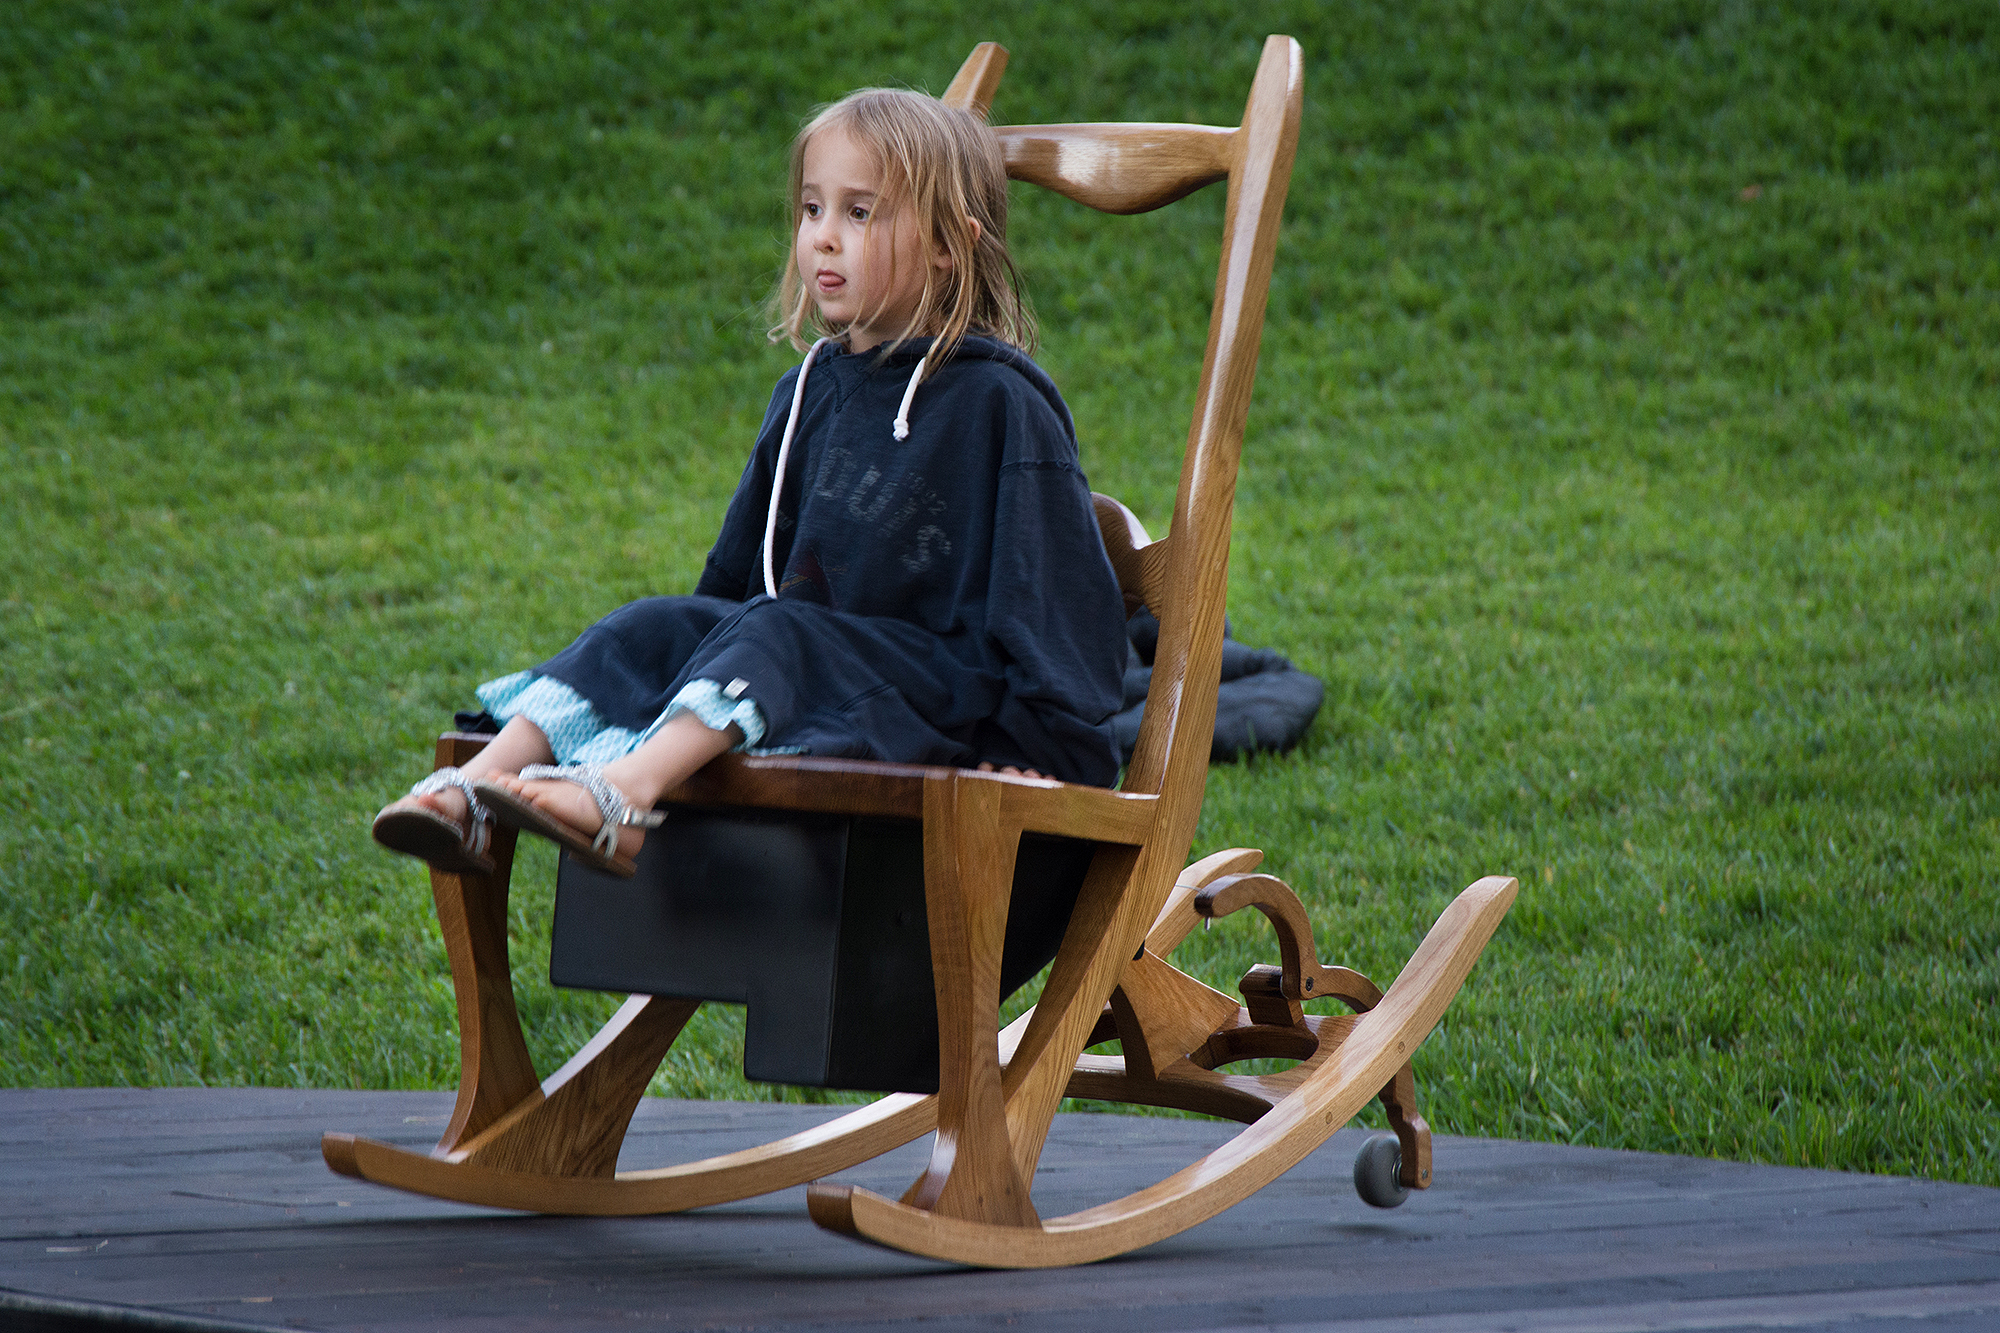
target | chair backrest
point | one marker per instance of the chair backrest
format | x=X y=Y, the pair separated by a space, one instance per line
x=1183 y=578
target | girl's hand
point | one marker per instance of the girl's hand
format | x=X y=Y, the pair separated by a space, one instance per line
x=1011 y=771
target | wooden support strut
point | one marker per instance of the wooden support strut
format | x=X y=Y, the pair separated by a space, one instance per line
x=1273 y=995
x=576 y=1121
x=968 y=875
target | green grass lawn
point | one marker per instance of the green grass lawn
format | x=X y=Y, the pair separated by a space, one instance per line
x=1624 y=459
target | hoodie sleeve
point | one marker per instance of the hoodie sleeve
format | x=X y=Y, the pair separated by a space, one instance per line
x=735 y=563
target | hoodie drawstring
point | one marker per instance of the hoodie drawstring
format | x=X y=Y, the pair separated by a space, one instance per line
x=785 y=452
x=901 y=432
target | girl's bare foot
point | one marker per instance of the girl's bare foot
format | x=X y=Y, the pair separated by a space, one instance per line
x=568 y=812
x=435 y=827
x=450 y=803
x=571 y=804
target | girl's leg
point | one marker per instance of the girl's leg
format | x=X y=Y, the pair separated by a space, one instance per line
x=669 y=758
x=519 y=744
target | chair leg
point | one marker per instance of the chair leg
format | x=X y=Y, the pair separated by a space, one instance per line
x=968 y=872
x=495 y=1072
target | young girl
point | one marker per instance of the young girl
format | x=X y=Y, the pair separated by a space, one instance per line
x=910 y=569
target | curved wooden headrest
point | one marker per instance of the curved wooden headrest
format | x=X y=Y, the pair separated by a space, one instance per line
x=1138 y=560
x=1119 y=168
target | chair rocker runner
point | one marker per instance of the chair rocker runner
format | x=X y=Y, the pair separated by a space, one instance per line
x=552 y=1145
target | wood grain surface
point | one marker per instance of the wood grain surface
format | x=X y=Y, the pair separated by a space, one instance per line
x=495 y=1072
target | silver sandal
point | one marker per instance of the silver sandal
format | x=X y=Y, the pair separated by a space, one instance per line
x=600 y=852
x=431 y=837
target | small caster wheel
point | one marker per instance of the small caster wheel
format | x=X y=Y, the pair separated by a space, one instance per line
x=1377 y=1171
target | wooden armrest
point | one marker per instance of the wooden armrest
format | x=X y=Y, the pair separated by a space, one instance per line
x=808 y=782
x=1096 y=813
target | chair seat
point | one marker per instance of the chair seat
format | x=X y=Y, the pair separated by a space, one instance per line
x=794 y=885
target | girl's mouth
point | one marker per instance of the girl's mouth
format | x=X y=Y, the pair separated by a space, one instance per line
x=829 y=282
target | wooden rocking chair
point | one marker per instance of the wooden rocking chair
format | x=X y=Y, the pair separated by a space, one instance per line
x=552 y=1145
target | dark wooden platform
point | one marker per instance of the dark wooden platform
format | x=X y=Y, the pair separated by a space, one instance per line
x=186 y=1207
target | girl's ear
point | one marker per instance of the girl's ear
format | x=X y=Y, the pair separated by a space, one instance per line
x=941 y=256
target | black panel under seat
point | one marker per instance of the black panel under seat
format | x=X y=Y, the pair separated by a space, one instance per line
x=816 y=922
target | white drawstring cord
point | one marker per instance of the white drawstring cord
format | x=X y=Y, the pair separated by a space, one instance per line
x=784 y=453
x=902 y=431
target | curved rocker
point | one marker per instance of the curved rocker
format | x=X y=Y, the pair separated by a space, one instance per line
x=552 y=1146
x=1307 y=1104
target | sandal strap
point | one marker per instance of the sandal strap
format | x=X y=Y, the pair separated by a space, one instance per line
x=477 y=833
x=612 y=807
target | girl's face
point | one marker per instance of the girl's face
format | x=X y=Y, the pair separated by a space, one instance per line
x=866 y=278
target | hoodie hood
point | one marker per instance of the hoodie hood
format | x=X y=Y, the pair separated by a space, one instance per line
x=905 y=357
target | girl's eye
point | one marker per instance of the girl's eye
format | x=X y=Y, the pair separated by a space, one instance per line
x=811 y=211
x=859 y=213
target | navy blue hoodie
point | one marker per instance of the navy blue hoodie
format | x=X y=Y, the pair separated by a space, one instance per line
x=976 y=531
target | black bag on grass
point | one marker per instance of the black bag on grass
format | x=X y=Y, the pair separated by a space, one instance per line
x=1264 y=703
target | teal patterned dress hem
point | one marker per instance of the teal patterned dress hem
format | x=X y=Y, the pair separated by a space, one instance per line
x=579 y=735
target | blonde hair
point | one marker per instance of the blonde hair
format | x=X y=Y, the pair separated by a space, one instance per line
x=945 y=165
